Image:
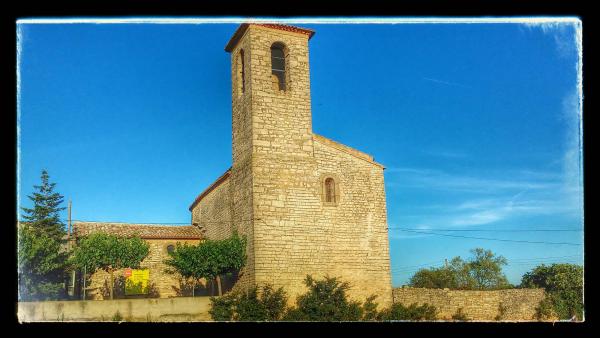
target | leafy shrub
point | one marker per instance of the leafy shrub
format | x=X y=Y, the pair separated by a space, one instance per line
x=460 y=316
x=370 y=310
x=223 y=308
x=326 y=300
x=250 y=306
x=413 y=312
x=563 y=284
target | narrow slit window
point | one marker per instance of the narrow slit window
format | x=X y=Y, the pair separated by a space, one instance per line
x=240 y=74
x=278 y=66
x=329 y=190
x=243 y=73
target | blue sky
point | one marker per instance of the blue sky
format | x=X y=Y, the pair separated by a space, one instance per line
x=477 y=125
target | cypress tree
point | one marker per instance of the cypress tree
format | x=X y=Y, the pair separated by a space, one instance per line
x=41 y=253
x=45 y=213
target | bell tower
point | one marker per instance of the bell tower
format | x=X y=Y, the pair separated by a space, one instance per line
x=272 y=142
x=270 y=90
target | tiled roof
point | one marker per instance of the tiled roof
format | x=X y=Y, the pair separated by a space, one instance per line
x=210 y=188
x=243 y=27
x=146 y=231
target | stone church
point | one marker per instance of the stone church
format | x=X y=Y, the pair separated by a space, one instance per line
x=307 y=204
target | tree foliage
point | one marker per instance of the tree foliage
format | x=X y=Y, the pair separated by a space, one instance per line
x=41 y=265
x=563 y=284
x=412 y=312
x=483 y=271
x=109 y=253
x=41 y=257
x=208 y=259
x=269 y=305
x=46 y=207
x=326 y=300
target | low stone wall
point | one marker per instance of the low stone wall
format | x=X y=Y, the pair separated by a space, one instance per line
x=509 y=305
x=181 y=309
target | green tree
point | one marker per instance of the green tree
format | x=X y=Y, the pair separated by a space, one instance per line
x=563 y=284
x=109 y=253
x=41 y=256
x=483 y=271
x=41 y=265
x=434 y=278
x=209 y=259
x=46 y=207
x=485 y=268
x=326 y=300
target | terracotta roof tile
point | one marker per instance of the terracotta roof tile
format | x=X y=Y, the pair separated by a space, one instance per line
x=146 y=231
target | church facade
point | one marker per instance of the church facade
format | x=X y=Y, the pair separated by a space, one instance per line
x=306 y=204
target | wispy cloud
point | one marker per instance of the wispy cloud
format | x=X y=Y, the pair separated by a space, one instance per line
x=490 y=199
x=434 y=179
x=564 y=35
x=446 y=83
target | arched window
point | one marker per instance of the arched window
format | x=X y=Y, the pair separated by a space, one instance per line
x=170 y=248
x=278 y=66
x=329 y=190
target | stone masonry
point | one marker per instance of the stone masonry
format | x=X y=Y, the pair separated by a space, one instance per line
x=507 y=305
x=275 y=192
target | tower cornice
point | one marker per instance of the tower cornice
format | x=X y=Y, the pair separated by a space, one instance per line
x=243 y=27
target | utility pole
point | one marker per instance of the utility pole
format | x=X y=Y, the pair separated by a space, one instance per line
x=446 y=262
x=71 y=289
x=69 y=221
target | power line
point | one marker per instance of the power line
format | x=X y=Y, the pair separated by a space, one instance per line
x=495 y=230
x=538 y=258
x=511 y=262
x=493 y=239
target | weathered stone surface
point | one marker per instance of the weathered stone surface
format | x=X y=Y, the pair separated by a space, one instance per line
x=517 y=304
x=182 y=309
x=274 y=194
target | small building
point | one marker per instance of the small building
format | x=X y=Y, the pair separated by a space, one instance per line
x=162 y=239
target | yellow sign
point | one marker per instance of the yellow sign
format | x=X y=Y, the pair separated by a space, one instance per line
x=137 y=282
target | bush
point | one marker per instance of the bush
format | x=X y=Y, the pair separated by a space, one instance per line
x=413 y=312
x=563 y=284
x=326 y=300
x=250 y=306
x=222 y=308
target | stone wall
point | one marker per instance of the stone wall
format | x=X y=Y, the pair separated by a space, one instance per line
x=517 y=304
x=214 y=211
x=138 y=310
x=163 y=284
